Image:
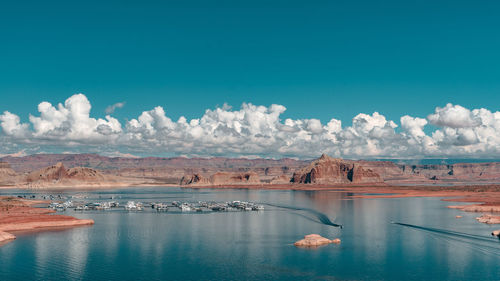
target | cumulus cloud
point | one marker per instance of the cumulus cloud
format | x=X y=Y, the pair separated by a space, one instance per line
x=258 y=131
x=454 y=116
x=68 y=123
x=111 y=109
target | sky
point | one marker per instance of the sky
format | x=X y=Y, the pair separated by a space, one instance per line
x=314 y=60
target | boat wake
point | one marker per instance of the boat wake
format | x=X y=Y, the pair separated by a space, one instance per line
x=321 y=218
x=484 y=244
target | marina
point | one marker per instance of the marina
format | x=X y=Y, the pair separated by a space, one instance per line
x=79 y=204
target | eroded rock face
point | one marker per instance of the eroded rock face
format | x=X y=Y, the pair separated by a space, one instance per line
x=52 y=173
x=222 y=178
x=58 y=174
x=234 y=178
x=172 y=169
x=283 y=179
x=6 y=172
x=361 y=175
x=85 y=174
x=328 y=170
x=194 y=179
x=315 y=240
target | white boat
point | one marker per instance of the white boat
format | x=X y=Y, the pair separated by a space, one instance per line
x=186 y=208
x=132 y=206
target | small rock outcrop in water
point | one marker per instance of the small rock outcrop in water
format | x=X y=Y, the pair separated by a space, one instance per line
x=328 y=170
x=489 y=219
x=315 y=240
x=496 y=233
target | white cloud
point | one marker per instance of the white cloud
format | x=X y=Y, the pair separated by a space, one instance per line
x=69 y=124
x=111 y=109
x=256 y=131
x=454 y=116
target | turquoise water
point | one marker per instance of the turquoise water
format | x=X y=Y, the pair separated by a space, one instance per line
x=259 y=245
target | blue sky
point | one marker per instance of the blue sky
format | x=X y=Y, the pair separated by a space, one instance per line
x=320 y=59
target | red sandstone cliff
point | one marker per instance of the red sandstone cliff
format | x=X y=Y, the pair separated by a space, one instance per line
x=328 y=170
x=52 y=173
x=158 y=170
x=58 y=175
x=194 y=179
x=222 y=178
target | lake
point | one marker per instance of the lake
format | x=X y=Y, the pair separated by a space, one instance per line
x=258 y=245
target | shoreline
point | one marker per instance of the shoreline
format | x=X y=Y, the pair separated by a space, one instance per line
x=17 y=215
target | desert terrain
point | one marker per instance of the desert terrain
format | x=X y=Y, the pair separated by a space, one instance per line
x=477 y=183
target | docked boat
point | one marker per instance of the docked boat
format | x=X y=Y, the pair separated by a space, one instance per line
x=133 y=206
x=185 y=207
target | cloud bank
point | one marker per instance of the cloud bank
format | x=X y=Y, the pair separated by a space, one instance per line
x=255 y=130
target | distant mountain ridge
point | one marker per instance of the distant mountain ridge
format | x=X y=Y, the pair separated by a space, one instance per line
x=95 y=161
x=219 y=170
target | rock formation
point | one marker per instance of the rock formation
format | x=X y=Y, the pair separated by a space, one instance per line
x=234 y=178
x=7 y=175
x=328 y=170
x=222 y=178
x=85 y=174
x=283 y=179
x=52 y=173
x=194 y=179
x=160 y=170
x=496 y=233
x=58 y=175
x=315 y=240
x=171 y=170
x=489 y=219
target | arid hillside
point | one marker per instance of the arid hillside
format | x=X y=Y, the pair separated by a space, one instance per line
x=59 y=169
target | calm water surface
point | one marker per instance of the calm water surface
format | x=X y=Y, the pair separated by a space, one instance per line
x=258 y=245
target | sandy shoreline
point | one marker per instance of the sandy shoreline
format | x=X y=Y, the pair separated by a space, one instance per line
x=18 y=215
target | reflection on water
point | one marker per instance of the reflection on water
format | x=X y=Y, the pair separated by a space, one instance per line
x=259 y=245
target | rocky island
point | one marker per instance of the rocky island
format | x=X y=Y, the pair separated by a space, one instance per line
x=315 y=240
